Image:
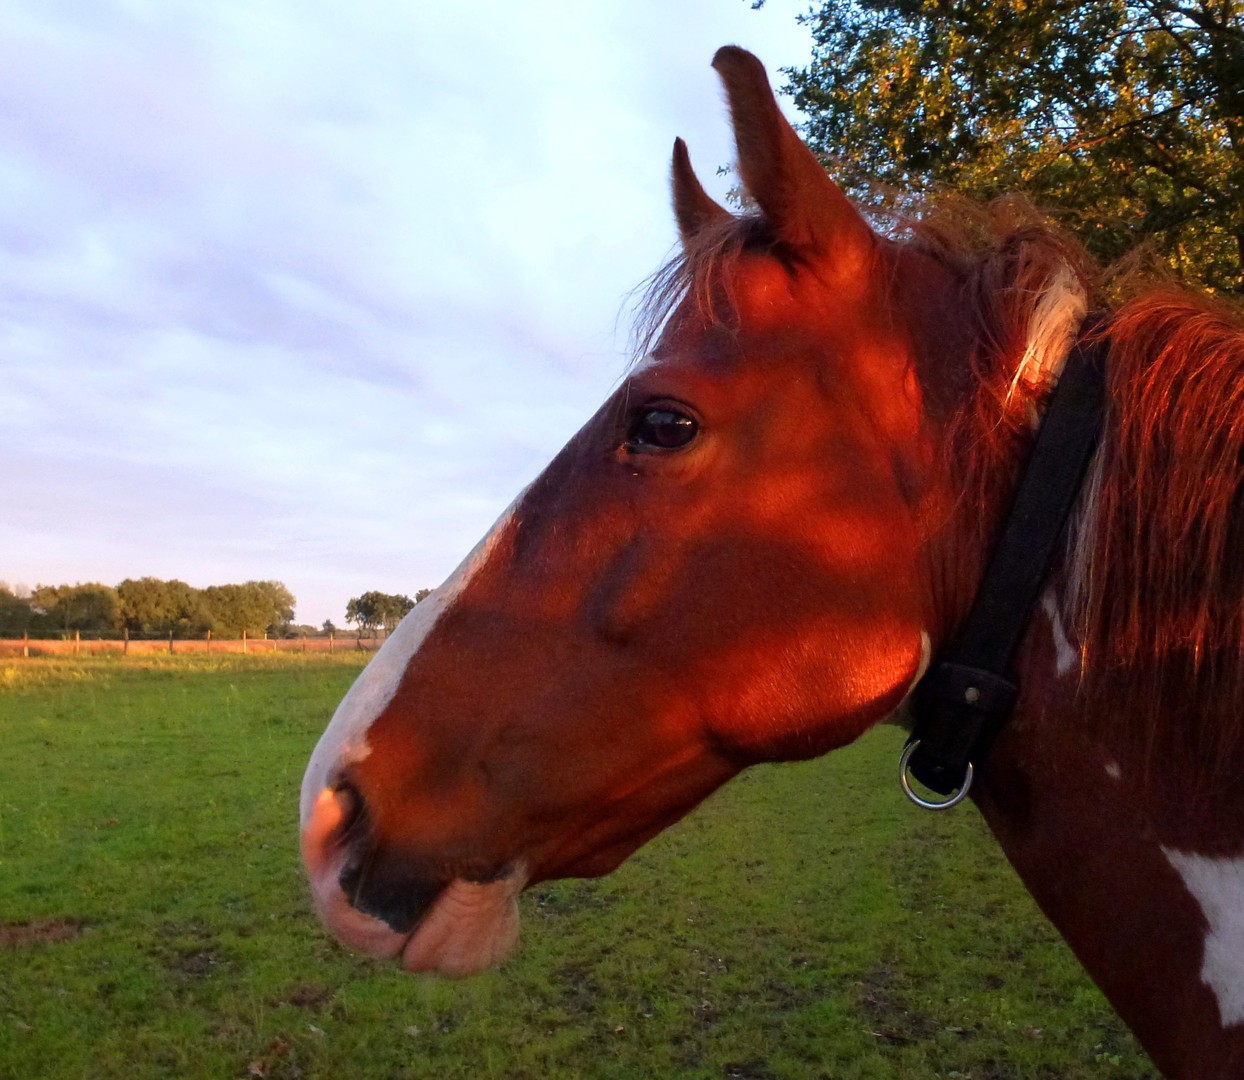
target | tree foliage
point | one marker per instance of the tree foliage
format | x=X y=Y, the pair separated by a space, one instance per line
x=376 y=610
x=1126 y=117
x=254 y=608
x=93 y=608
x=151 y=607
x=16 y=613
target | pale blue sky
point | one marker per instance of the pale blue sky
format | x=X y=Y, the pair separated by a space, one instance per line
x=308 y=291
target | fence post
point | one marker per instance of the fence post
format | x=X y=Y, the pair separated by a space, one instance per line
x=125 y=640
x=330 y=642
x=244 y=641
x=209 y=641
x=170 y=641
x=26 y=644
x=77 y=641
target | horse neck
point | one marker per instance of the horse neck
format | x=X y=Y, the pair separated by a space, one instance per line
x=1114 y=790
x=1137 y=865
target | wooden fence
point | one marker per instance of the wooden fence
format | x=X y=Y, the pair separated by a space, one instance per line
x=25 y=647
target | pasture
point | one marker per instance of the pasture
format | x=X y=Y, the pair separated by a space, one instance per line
x=806 y=922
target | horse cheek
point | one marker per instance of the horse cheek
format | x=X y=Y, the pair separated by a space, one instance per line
x=779 y=698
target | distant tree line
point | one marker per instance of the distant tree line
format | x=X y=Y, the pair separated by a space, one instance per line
x=148 y=607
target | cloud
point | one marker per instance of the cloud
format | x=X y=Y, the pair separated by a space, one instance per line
x=304 y=291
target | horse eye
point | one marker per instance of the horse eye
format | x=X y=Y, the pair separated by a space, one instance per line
x=661 y=429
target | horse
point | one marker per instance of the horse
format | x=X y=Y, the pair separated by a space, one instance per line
x=754 y=549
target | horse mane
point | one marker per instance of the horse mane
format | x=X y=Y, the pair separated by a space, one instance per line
x=1156 y=582
x=1154 y=571
x=1154 y=576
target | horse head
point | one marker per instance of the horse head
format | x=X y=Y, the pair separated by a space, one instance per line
x=733 y=561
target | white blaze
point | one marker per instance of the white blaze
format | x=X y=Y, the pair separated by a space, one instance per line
x=1218 y=886
x=345 y=739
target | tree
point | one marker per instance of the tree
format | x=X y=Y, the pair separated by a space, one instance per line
x=364 y=611
x=154 y=607
x=398 y=608
x=92 y=607
x=374 y=610
x=280 y=604
x=256 y=608
x=16 y=614
x=1128 y=118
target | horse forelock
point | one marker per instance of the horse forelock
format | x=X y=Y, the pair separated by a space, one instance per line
x=703 y=274
x=1022 y=287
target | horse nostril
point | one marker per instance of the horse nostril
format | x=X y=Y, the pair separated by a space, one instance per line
x=387 y=886
x=351 y=809
x=376 y=878
x=341 y=841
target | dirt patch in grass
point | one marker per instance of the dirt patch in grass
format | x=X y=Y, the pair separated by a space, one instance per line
x=581 y=992
x=39 y=932
x=197 y=965
x=309 y=996
x=755 y=1069
x=880 y=1001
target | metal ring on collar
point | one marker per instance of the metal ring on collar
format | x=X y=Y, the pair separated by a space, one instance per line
x=954 y=800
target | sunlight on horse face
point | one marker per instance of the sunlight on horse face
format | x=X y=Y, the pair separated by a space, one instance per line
x=722 y=567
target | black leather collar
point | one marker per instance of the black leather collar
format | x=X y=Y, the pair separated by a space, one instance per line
x=969 y=692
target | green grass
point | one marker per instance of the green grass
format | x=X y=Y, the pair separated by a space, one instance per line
x=806 y=922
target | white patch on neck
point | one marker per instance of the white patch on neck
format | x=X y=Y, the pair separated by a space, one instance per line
x=1051 y=332
x=345 y=739
x=1113 y=771
x=1065 y=654
x=1082 y=535
x=1218 y=886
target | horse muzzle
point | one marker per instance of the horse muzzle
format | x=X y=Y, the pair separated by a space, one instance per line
x=392 y=908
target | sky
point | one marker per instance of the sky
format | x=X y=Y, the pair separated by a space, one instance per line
x=308 y=291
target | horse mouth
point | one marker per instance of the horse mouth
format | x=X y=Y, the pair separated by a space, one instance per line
x=467 y=928
x=461 y=928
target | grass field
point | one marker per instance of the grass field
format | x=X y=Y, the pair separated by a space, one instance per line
x=806 y=922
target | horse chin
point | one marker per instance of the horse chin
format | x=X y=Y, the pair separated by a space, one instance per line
x=471 y=927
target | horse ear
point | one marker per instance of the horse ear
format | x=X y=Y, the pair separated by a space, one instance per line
x=807 y=209
x=694 y=208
